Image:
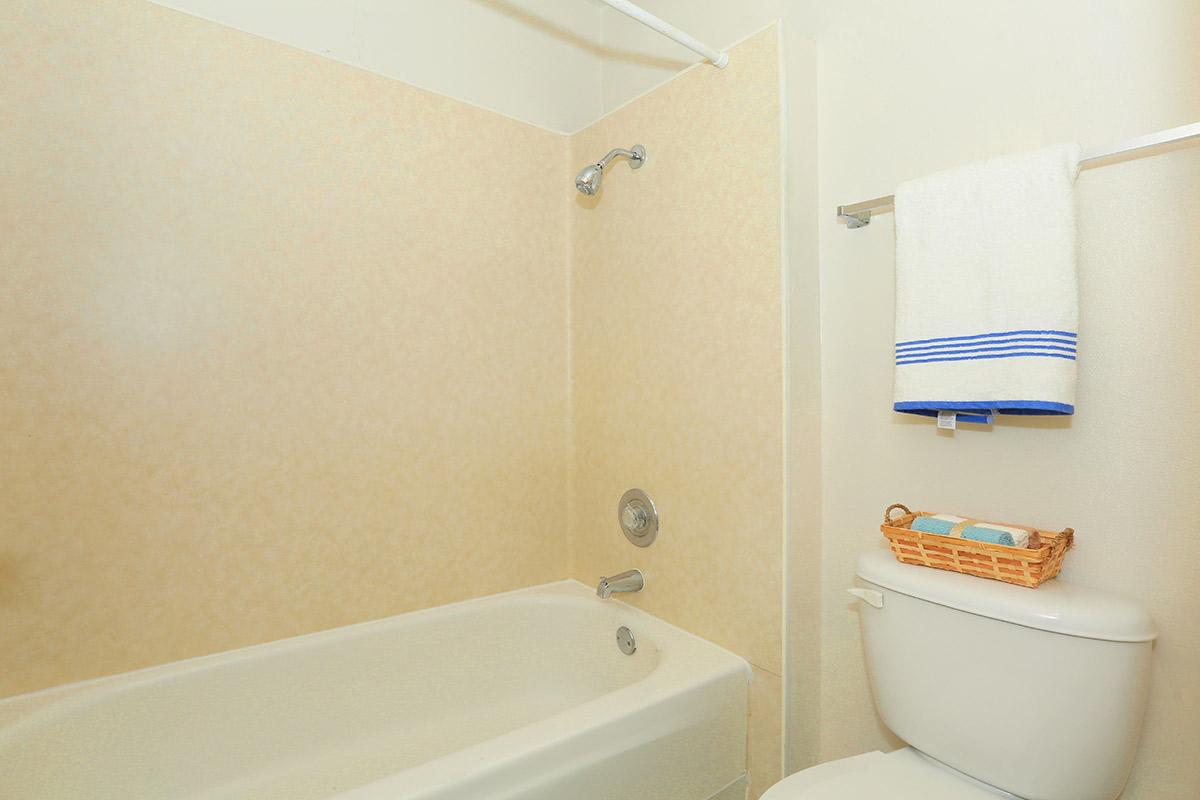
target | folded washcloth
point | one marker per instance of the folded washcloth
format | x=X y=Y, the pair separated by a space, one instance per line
x=941 y=524
x=961 y=528
x=978 y=533
x=1013 y=537
x=986 y=299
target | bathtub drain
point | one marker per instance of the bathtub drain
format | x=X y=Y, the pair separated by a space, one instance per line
x=625 y=641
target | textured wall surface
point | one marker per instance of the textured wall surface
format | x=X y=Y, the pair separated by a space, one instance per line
x=677 y=362
x=274 y=357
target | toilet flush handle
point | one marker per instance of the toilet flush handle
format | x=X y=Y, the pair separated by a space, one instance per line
x=868 y=596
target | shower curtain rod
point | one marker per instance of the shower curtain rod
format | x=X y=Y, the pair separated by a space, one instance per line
x=856 y=215
x=719 y=58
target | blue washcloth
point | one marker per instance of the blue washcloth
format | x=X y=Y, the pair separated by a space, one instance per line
x=978 y=533
x=933 y=525
x=946 y=525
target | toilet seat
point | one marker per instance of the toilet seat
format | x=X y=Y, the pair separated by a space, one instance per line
x=900 y=775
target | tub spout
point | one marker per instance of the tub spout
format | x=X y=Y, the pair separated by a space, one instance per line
x=630 y=580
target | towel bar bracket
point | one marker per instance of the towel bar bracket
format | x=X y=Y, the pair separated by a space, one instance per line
x=858 y=215
x=856 y=219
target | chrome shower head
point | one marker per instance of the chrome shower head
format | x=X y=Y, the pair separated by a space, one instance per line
x=589 y=178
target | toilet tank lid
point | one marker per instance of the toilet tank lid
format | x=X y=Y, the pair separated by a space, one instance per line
x=1057 y=606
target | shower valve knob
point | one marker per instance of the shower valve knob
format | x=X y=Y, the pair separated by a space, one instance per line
x=633 y=517
x=638 y=517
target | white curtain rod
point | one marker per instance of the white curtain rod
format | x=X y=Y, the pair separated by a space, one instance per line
x=719 y=58
x=856 y=215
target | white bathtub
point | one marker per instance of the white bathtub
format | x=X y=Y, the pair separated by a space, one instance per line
x=520 y=695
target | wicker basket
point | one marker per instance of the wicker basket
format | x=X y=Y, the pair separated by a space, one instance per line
x=1019 y=565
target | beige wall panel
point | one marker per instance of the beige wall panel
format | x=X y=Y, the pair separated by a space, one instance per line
x=677 y=352
x=282 y=343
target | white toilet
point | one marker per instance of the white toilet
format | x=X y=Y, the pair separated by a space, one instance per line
x=999 y=690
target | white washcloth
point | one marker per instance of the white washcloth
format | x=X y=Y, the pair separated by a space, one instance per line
x=986 y=302
x=1020 y=535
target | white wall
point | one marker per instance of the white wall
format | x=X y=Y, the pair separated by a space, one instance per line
x=535 y=60
x=907 y=89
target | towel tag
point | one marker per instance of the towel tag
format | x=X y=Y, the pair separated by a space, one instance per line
x=947 y=420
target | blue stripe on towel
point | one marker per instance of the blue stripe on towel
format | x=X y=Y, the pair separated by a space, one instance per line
x=980 y=357
x=955 y=345
x=959 y=351
x=987 y=335
x=930 y=408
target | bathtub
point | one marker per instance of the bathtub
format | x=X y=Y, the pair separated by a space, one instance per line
x=524 y=695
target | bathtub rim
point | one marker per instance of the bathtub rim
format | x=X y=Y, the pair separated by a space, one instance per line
x=19 y=712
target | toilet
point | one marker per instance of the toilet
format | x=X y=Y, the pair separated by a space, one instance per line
x=999 y=691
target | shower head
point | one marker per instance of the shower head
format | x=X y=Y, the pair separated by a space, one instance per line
x=589 y=178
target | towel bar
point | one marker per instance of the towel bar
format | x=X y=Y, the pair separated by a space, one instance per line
x=858 y=215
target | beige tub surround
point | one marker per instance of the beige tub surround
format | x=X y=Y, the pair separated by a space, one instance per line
x=275 y=363
x=677 y=361
x=270 y=361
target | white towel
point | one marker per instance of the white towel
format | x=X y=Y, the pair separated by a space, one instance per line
x=986 y=300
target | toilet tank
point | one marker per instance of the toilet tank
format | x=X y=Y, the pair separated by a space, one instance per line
x=1039 y=692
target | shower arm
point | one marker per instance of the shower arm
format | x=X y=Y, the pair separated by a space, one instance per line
x=636 y=156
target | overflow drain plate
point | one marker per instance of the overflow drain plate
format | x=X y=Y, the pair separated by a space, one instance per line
x=625 y=641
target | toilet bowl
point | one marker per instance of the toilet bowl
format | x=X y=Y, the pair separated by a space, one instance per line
x=1001 y=691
